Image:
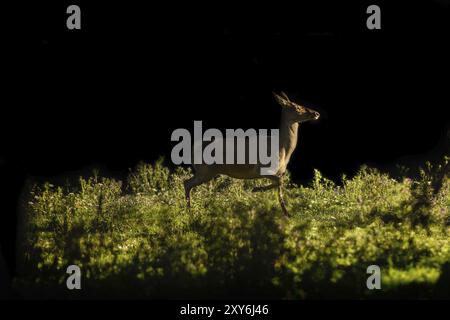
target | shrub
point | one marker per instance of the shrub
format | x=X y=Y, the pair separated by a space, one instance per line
x=139 y=240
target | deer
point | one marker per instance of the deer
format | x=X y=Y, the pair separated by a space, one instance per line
x=292 y=116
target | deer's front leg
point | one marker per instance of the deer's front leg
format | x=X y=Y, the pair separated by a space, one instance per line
x=265 y=188
x=281 y=200
x=276 y=181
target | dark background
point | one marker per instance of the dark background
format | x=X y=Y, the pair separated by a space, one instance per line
x=110 y=95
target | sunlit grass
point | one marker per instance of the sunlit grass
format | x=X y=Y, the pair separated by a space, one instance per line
x=137 y=239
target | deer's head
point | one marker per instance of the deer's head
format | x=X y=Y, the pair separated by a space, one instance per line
x=295 y=111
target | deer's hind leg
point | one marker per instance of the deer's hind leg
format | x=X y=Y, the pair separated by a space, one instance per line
x=196 y=180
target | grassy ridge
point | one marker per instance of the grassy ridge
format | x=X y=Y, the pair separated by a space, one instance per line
x=136 y=239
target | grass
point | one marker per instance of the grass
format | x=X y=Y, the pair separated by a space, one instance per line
x=136 y=239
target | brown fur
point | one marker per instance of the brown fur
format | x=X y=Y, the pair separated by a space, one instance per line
x=292 y=115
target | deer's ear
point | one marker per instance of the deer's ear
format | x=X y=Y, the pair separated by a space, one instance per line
x=284 y=95
x=281 y=101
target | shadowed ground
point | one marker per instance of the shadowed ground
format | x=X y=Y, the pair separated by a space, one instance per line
x=4 y=278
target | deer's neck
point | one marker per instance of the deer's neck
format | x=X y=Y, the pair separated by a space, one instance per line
x=288 y=138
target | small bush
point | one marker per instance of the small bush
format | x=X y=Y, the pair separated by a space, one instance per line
x=139 y=240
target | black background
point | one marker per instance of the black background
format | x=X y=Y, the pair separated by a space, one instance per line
x=109 y=95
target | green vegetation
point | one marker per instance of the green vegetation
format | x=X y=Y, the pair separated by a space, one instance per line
x=138 y=240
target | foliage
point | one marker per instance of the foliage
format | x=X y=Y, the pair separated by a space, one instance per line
x=138 y=240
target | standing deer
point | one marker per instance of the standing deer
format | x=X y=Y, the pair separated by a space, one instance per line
x=292 y=115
